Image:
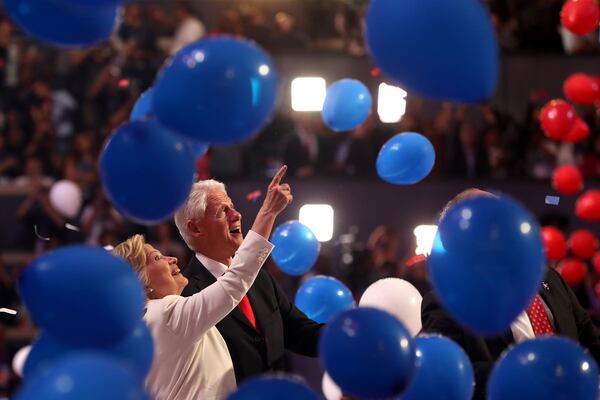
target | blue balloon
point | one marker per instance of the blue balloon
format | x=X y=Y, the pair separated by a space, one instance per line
x=198 y=149
x=147 y=171
x=405 y=159
x=347 y=105
x=443 y=371
x=435 y=48
x=136 y=351
x=61 y=25
x=322 y=297
x=217 y=90
x=368 y=353
x=545 y=368
x=296 y=248
x=82 y=295
x=142 y=108
x=91 y=3
x=487 y=262
x=83 y=376
x=273 y=388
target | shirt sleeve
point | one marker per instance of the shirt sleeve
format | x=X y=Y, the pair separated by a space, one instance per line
x=192 y=316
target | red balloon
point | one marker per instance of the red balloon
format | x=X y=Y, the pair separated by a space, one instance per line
x=578 y=132
x=596 y=262
x=587 y=206
x=581 y=89
x=583 y=243
x=580 y=16
x=557 y=118
x=555 y=244
x=572 y=270
x=567 y=180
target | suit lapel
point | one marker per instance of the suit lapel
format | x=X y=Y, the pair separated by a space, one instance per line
x=555 y=304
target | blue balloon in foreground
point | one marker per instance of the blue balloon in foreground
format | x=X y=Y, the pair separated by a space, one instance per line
x=405 y=159
x=82 y=295
x=322 y=297
x=92 y=3
x=443 y=371
x=62 y=25
x=545 y=368
x=441 y=49
x=487 y=260
x=347 y=105
x=147 y=171
x=217 y=90
x=142 y=108
x=136 y=351
x=296 y=248
x=368 y=353
x=273 y=388
x=84 y=376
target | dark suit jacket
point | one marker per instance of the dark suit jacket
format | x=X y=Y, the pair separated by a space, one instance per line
x=570 y=319
x=281 y=325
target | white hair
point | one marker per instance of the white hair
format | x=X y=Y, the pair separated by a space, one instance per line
x=195 y=206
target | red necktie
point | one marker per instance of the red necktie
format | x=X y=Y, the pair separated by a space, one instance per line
x=539 y=318
x=247 y=310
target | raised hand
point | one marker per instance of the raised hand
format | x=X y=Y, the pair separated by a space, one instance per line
x=279 y=195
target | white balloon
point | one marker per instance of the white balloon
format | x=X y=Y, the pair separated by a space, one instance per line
x=331 y=391
x=66 y=198
x=18 y=362
x=399 y=298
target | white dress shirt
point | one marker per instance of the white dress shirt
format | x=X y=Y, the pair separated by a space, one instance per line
x=191 y=360
x=521 y=327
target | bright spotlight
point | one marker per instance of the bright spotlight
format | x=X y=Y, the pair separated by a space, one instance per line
x=391 y=103
x=319 y=218
x=308 y=93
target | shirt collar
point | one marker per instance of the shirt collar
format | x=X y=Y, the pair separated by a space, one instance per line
x=214 y=267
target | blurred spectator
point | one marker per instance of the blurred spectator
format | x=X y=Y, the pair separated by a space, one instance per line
x=307 y=152
x=163 y=241
x=590 y=165
x=286 y=35
x=34 y=176
x=356 y=153
x=99 y=218
x=189 y=27
x=468 y=158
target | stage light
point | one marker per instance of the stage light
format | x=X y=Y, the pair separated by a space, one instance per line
x=319 y=218
x=308 y=93
x=391 y=103
x=424 y=235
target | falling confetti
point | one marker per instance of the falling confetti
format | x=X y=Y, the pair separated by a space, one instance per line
x=35 y=230
x=8 y=311
x=72 y=227
x=552 y=200
x=253 y=196
x=416 y=259
x=375 y=72
x=108 y=248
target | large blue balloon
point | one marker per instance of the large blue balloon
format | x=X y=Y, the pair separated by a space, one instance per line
x=142 y=108
x=60 y=24
x=82 y=295
x=347 y=105
x=136 y=351
x=487 y=262
x=147 y=171
x=435 y=48
x=323 y=297
x=368 y=353
x=216 y=90
x=84 y=376
x=405 y=159
x=443 y=371
x=545 y=368
x=273 y=388
x=296 y=248
x=92 y=3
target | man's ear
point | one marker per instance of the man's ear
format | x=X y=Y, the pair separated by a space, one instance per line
x=195 y=229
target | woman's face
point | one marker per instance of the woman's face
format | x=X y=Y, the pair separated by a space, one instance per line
x=164 y=274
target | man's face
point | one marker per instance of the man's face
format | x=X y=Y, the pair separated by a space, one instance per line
x=222 y=224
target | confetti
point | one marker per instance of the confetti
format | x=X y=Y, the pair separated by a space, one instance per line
x=552 y=200
x=72 y=227
x=35 y=230
x=253 y=196
x=375 y=72
x=108 y=248
x=8 y=311
x=416 y=259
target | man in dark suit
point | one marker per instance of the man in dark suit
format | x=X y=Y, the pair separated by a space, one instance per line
x=565 y=316
x=265 y=323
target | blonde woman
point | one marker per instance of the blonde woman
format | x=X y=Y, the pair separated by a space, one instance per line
x=191 y=358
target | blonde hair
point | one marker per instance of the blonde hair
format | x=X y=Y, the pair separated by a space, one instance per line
x=133 y=250
x=195 y=206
